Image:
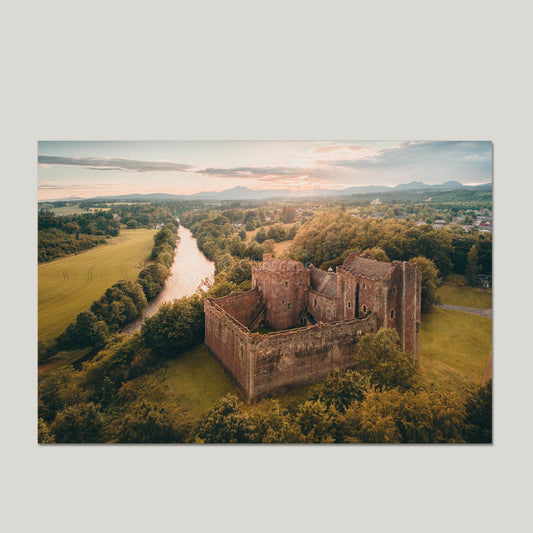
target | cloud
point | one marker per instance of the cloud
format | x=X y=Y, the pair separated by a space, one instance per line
x=338 y=148
x=329 y=164
x=424 y=152
x=108 y=163
x=61 y=186
x=259 y=173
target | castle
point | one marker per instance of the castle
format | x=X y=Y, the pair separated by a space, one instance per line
x=309 y=320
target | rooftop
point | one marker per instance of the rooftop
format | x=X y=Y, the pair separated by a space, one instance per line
x=367 y=267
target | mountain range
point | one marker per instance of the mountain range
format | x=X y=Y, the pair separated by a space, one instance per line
x=245 y=193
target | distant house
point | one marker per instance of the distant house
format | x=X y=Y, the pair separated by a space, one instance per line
x=438 y=224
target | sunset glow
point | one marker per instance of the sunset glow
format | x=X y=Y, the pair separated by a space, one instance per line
x=90 y=168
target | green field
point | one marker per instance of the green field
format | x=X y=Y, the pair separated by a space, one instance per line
x=195 y=382
x=459 y=340
x=452 y=294
x=70 y=284
x=74 y=210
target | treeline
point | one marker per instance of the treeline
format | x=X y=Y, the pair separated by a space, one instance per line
x=59 y=236
x=143 y=214
x=121 y=304
x=378 y=402
x=277 y=232
x=331 y=236
x=64 y=235
x=54 y=244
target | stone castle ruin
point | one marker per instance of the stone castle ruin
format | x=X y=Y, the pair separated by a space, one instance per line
x=298 y=324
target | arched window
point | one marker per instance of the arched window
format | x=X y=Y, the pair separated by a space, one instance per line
x=392 y=314
x=364 y=308
x=289 y=305
x=349 y=305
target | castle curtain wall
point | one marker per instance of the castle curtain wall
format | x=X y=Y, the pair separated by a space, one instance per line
x=244 y=307
x=305 y=355
x=228 y=341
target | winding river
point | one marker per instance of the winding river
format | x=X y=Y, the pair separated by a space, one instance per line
x=189 y=271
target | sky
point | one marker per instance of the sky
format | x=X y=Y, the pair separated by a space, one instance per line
x=100 y=168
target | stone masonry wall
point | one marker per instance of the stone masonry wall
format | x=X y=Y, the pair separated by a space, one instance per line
x=305 y=355
x=244 y=306
x=228 y=341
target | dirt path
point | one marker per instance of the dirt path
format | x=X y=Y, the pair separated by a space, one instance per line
x=474 y=310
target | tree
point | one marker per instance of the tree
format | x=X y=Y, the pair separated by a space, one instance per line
x=378 y=254
x=274 y=424
x=430 y=281
x=152 y=423
x=86 y=331
x=121 y=304
x=82 y=423
x=277 y=233
x=315 y=421
x=340 y=390
x=152 y=278
x=381 y=358
x=242 y=234
x=226 y=423
x=472 y=268
x=175 y=327
x=261 y=235
x=387 y=416
x=479 y=415
x=43 y=433
x=288 y=214
x=484 y=251
x=254 y=251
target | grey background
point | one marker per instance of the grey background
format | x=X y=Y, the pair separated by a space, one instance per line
x=406 y=70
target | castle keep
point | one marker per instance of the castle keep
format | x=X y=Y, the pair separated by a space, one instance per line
x=310 y=320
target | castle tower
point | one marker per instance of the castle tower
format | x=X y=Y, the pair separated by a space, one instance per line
x=285 y=288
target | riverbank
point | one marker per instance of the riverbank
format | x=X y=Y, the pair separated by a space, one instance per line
x=188 y=272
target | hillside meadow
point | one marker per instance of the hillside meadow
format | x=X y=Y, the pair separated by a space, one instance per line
x=70 y=284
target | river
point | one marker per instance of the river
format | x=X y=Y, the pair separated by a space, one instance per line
x=189 y=270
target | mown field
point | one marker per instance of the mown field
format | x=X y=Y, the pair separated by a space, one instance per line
x=70 y=284
x=459 y=340
x=452 y=294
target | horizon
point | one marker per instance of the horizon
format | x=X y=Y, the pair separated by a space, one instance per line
x=88 y=169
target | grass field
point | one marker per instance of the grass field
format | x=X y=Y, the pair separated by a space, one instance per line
x=70 y=284
x=195 y=382
x=459 y=340
x=74 y=210
x=451 y=294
